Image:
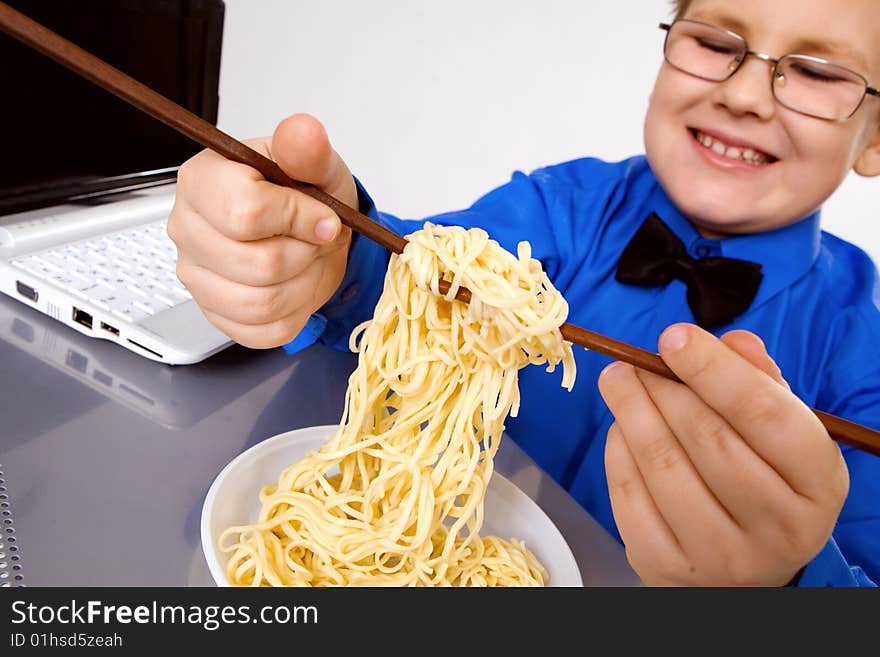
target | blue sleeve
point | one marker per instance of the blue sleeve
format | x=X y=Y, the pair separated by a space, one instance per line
x=830 y=568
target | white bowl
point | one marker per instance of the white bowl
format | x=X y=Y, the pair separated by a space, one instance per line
x=233 y=499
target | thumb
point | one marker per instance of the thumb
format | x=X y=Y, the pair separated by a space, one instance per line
x=751 y=347
x=301 y=147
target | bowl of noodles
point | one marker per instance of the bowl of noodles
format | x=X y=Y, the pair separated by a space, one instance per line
x=233 y=500
x=403 y=491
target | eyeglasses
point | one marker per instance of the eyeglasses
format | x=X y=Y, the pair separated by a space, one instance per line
x=808 y=85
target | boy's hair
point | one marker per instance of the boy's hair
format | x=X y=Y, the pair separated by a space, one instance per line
x=681 y=6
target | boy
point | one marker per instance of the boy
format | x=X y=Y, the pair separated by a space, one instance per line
x=728 y=479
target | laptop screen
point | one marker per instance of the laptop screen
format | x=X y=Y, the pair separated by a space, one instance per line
x=66 y=138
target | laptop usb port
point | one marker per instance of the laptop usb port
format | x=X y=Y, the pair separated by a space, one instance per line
x=26 y=291
x=109 y=329
x=82 y=317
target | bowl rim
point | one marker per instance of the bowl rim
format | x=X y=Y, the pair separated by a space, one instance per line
x=212 y=555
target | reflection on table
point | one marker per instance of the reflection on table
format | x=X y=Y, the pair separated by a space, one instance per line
x=107 y=456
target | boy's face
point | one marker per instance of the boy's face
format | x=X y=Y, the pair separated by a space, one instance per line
x=803 y=158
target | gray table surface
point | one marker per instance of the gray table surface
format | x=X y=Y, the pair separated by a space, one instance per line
x=106 y=457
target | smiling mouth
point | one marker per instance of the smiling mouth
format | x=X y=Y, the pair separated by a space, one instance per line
x=730 y=152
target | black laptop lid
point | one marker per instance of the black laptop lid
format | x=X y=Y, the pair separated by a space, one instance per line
x=64 y=137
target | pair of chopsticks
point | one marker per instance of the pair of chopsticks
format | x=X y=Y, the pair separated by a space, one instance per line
x=90 y=67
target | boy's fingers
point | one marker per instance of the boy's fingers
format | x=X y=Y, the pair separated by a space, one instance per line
x=267 y=336
x=262 y=209
x=775 y=423
x=753 y=493
x=751 y=347
x=681 y=496
x=258 y=262
x=251 y=305
x=650 y=544
x=244 y=206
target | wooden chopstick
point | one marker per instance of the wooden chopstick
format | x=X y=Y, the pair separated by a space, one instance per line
x=115 y=81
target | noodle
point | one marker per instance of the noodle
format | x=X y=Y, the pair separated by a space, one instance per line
x=395 y=497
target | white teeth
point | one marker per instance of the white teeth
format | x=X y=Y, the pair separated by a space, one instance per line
x=732 y=152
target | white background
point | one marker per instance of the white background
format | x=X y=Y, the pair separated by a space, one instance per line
x=432 y=104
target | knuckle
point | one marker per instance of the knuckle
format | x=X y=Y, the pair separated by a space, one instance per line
x=292 y=209
x=245 y=215
x=799 y=546
x=739 y=573
x=710 y=431
x=704 y=367
x=183 y=274
x=758 y=409
x=268 y=264
x=802 y=530
x=737 y=566
x=173 y=228
x=661 y=453
x=263 y=305
x=183 y=172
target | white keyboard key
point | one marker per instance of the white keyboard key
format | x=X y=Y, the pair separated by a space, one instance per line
x=131 y=313
x=150 y=288
x=56 y=260
x=63 y=280
x=116 y=299
x=86 y=289
x=46 y=268
x=151 y=306
x=72 y=251
x=128 y=278
x=93 y=257
x=114 y=282
x=28 y=263
x=103 y=270
x=155 y=285
x=169 y=299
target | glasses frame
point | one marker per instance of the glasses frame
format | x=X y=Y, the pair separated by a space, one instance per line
x=667 y=27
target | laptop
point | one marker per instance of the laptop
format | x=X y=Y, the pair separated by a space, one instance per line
x=87 y=181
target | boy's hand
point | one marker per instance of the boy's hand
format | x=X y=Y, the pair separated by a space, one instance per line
x=727 y=480
x=258 y=258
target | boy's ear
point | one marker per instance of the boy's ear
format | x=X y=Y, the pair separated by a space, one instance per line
x=868 y=164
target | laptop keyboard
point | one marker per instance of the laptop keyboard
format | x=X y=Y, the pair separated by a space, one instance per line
x=129 y=273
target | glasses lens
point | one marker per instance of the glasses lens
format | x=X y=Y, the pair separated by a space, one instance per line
x=704 y=50
x=818 y=88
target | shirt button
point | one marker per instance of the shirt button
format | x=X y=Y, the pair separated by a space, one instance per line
x=703 y=250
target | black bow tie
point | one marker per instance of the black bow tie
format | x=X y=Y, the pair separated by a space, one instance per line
x=718 y=289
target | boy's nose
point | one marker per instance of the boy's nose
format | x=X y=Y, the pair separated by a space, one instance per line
x=749 y=91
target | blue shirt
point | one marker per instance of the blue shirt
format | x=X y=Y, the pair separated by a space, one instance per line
x=817 y=310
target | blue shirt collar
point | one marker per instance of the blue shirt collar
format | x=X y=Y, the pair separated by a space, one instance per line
x=780 y=266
